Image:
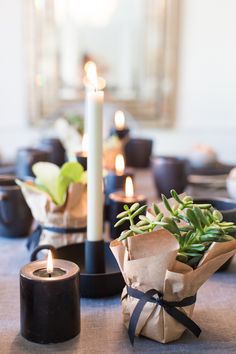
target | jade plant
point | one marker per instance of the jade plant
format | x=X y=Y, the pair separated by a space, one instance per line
x=195 y=226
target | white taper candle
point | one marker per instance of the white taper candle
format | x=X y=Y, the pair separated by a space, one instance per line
x=95 y=165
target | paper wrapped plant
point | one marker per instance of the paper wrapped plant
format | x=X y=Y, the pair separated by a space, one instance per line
x=165 y=258
x=58 y=201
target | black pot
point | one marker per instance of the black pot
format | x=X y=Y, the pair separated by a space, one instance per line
x=15 y=215
x=138 y=152
x=227 y=207
x=169 y=173
x=56 y=149
x=26 y=158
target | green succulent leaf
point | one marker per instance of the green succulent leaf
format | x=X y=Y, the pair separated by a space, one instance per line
x=121 y=221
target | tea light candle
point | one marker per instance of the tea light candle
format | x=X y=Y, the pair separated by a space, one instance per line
x=49 y=301
x=120 y=129
x=115 y=180
x=117 y=201
x=82 y=155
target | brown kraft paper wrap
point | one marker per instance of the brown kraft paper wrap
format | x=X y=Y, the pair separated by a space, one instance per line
x=73 y=214
x=148 y=261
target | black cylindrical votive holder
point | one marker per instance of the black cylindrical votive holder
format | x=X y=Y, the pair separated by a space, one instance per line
x=121 y=133
x=113 y=183
x=49 y=306
x=117 y=202
x=138 y=152
x=94 y=257
x=57 y=150
x=82 y=159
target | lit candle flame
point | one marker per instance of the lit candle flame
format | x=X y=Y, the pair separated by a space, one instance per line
x=119 y=120
x=129 y=187
x=120 y=164
x=49 y=263
x=85 y=142
x=91 y=72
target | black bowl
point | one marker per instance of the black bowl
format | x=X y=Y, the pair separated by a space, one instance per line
x=227 y=207
x=138 y=152
x=169 y=172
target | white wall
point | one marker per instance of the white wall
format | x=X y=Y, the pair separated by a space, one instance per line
x=206 y=105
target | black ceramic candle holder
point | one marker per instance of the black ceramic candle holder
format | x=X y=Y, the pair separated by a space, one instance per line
x=93 y=285
x=82 y=159
x=117 y=202
x=121 y=133
x=113 y=183
x=49 y=305
x=138 y=152
x=56 y=149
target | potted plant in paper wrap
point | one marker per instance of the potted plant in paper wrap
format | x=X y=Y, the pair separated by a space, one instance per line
x=57 y=198
x=165 y=258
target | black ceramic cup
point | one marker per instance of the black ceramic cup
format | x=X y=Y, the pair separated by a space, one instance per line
x=138 y=152
x=169 y=173
x=56 y=149
x=15 y=215
x=26 y=158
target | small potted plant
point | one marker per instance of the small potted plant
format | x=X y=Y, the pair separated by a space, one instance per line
x=164 y=258
x=57 y=198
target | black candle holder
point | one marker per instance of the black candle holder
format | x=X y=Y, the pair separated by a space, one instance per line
x=121 y=133
x=138 y=152
x=82 y=159
x=117 y=202
x=49 y=306
x=113 y=183
x=93 y=284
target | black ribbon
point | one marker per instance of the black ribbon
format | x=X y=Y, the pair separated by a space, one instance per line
x=169 y=307
x=34 y=238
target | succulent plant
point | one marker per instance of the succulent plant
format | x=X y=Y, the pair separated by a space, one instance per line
x=195 y=226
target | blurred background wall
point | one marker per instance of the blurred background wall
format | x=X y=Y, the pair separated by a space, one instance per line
x=206 y=104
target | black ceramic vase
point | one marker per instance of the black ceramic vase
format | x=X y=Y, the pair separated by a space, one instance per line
x=169 y=173
x=15 y=215
x=138 y=152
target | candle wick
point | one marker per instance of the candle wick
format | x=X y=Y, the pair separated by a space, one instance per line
x=49 y=275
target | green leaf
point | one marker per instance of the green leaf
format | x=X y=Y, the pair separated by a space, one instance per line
x=159 y=217
x=126 y=207
x=134 y=207
x=193 y=219
x=203 y=206
x=187 y=200
x=139 y=211
x=166 y=203
x=47 y=174
x=121 y=222
x=217 y=215
x=136 y=230
x=196 y=247
x=123 y=214
x=142 y=223
x=199 y=215
x=175 y=195
x=72 y=171
x=124 y=235
x=155 y=209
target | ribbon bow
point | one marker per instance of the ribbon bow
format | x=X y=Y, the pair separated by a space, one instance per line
x=34 y=238
x=169 y=307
